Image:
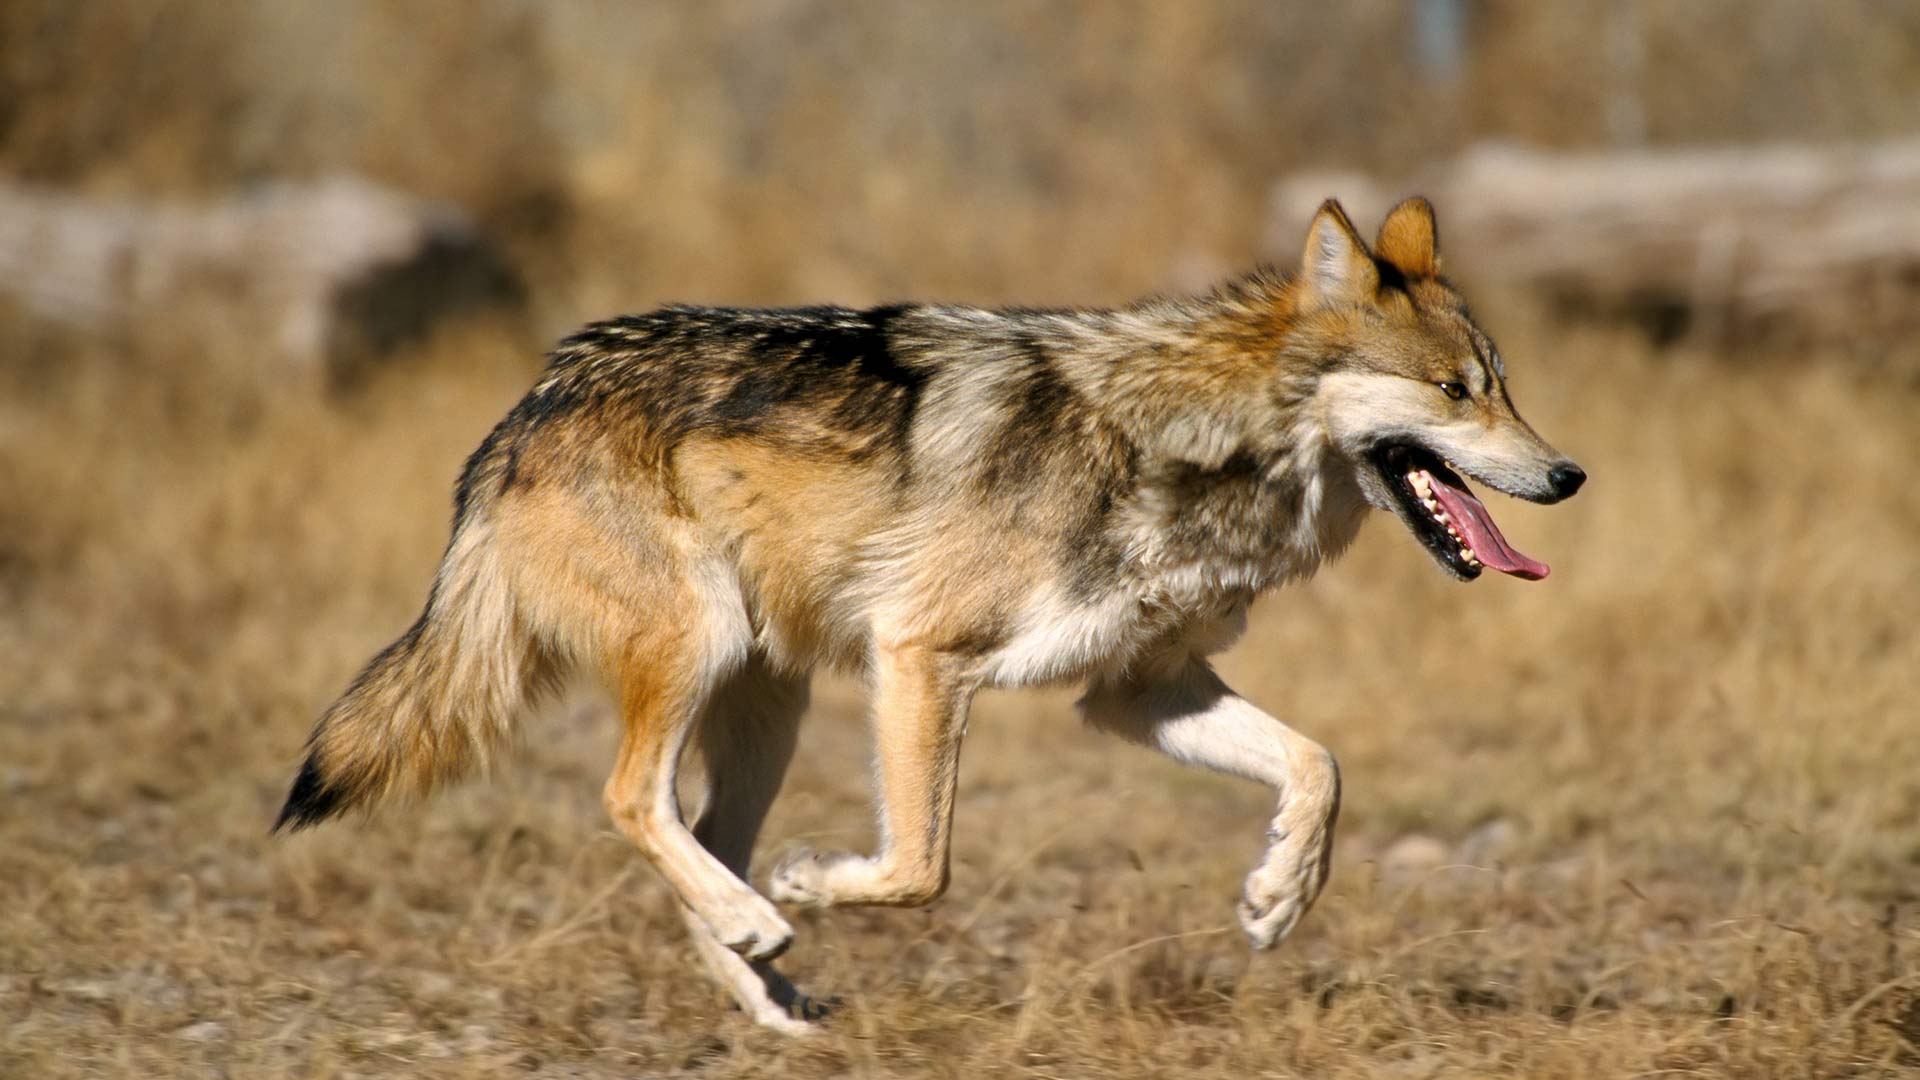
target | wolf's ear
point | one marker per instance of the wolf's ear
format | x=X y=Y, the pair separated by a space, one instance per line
x=1336 y=268
x=1409 y=240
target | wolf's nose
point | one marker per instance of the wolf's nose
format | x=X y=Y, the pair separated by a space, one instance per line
x=1566 y=479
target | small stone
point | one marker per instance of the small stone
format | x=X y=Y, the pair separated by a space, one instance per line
x=85 y=989
x=1489 y=842
x=1415 y=854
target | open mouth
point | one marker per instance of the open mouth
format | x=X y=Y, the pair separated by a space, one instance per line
x=1447 y=517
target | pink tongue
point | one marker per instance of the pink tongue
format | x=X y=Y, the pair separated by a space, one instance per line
x=1470 y=516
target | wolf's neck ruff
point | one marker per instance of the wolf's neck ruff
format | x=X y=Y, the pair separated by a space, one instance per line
x=1200 y=534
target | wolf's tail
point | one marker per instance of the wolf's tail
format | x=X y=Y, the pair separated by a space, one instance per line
x=441 y=700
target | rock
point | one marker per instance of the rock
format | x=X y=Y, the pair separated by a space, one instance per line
x=204 y=1031
x=1488 y=843
x=84 y=989
x=1413 y=855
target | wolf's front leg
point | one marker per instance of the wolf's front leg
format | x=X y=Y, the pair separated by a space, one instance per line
x=920 y=712
x=1181 y=708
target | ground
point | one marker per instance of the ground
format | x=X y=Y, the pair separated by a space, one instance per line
x=1652 y=816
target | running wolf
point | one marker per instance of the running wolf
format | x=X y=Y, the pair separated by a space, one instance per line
x=702 y=505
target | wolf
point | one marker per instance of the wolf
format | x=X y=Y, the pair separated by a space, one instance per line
x=700 y=506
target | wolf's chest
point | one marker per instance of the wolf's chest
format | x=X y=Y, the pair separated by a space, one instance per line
x=1059 y=639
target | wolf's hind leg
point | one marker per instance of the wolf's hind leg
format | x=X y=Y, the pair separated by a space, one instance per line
x=920 y=712
x=746 y=739
x=667 y=679
x=1183 y=710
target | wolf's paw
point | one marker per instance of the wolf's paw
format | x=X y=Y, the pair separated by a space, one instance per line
x=796 y=1022
x=1273 y=903
x=1267 y=921
x=802 y=877
x=841 y=878
x=755 y=930
x=788 y=1011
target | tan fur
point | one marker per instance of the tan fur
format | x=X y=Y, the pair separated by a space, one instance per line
x=703 y=505
x=1407 y=239
x=441 y=701
x=920 y=706
x=786 y=523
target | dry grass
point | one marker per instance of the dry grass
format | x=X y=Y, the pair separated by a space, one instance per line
x=1653 y=815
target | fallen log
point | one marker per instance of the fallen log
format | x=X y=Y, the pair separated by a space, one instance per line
x=317 y=278
x=1780 y=243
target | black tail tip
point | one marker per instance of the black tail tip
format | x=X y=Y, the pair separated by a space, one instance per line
x=311 y=801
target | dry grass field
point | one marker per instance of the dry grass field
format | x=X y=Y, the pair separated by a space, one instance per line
x=1653 y=816
x=1658 y=815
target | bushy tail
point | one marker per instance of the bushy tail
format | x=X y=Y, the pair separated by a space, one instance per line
x=434 y=704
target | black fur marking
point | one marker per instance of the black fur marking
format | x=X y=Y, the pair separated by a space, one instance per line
x=750 y=400
x=472 y=472
x=1391 y=277
x=313 y=798
x=1091 y=552
x=310 y=802
x=511 y=474
x=816 y=356
x=1036 y=407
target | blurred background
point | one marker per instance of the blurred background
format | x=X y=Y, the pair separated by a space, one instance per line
x=269 y=271
x=614 y=155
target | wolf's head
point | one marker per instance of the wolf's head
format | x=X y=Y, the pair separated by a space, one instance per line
x=1414 y=394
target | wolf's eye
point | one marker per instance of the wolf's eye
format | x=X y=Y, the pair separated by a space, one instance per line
x=1454 y=390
